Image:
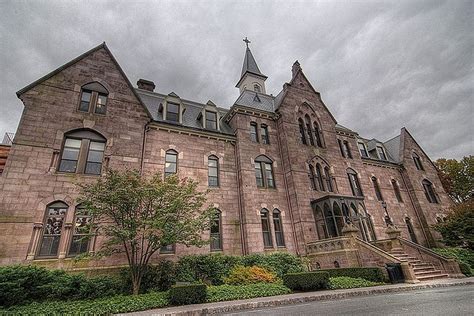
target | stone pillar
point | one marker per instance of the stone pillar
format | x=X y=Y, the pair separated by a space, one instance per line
x=349 y=230
x=63 y=246
x=408 y=273
x=393 y=233
x=35 y=241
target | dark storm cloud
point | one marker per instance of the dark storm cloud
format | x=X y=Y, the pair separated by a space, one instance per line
x=378 y=65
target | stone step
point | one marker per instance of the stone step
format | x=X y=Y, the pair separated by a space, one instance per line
x=432 y=272
x=431 y=277
x=422 y=264
x=423 y=269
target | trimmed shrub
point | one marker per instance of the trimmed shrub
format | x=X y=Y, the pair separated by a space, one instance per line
x=187 y=294
x=374 y=274
x=307 y=281
x=239 y=292
x=350 y=283
x=157 y=278
x=241 y=275
x=210 y=269
x=279 y=262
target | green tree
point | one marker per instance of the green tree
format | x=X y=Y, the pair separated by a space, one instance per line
x=138 y=215
x=458 y=227
x=457 y=177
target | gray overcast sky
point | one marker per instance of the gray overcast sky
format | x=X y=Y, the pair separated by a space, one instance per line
x=379 y=65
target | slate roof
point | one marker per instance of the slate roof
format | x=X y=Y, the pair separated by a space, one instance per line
x=152 y=101
x=250 y=65
x=393 y=148
x=255 y=100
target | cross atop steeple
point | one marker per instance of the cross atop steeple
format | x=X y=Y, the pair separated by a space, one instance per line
x=246 y=41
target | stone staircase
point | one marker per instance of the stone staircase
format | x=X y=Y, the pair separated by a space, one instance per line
x=424 y=271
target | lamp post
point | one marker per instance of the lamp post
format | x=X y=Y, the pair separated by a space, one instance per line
x=388 y=220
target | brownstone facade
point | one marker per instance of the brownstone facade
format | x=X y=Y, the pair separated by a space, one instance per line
x=275 y=210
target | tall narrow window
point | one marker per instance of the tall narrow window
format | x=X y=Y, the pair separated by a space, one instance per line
x=171 y=162
x=381 y=153
x=81 y=232
x=100 y=107
x=264 y=134
x=83 y=152
x=216 y=236
x=302 y=132
x=343 y=154
x=253 y=132
x=266 y=231
x=211 y=120
x=411 y=231
x=354 y=183
x=85 y=101
x=396 y=190
x=213 y=171
x=309 y=130
x=417 y=161
x=328 y=179
x=264 y=172
x=317 y=135
x=278 y=227
x=52 y=229
x=347 y=149
x=378 y=193
x=172 y=112
x=362 y=150
x=312 y=178
x=319 y=177
x=429 y=191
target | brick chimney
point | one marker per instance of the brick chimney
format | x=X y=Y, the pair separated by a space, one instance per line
x=146 y=85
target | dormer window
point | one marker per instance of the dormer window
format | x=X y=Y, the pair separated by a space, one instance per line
x=381 y=153
x=172 y=112
x=362 y=150
x=211 y=120
x=93 y=98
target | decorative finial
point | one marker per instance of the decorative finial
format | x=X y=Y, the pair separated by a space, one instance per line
x=246 y=41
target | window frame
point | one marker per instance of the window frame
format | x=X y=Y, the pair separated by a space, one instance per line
x=56 y=205
x=417 y=161
x=217 y=180
x=84 y=235
x=264 y=134
x=363 y=151
x=206 y=120
x=377 y=190
x=309 y=130
x=317 y=134
x=381 y=153
x=171 y=152
x=168 y=249
x=96 y=90
x=279 y=233
x=254 y=132
x=266 y=234
x=327 y=175
x=218 y=219
x=302 y=131
x=354 y=182
x=178 y=114
x=396 y=190
x=430 y=193
x=261 y=164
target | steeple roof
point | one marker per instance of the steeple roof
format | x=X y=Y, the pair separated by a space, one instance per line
x=250 y=65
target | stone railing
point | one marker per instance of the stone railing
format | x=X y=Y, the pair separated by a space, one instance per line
x=328 y=245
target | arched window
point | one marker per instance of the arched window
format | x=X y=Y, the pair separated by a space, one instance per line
x=344 y=148
x=253 y=132
x=52 y=229
x=354 y=182
x=83 y=152
x=317 y=134
x=93 y=97
x=327 y=176
x=213 y=171
x=312 y=177
x=302 y=132
x=396 y=190
x=256 y=88
x=378 y=193
x=417 y=161
x=319 y=177
x=216 y=234
x=429 y=191
x=81 y=231
x=411 y=231
x=264 y=134
x=171 y=162
x=264 y=172
x=336 y=264
x=320 y=223
x=278 y=227
x=266 y=231
x=330 y=222
x=309 y=129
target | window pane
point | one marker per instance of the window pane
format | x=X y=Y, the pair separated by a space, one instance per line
x=72 y=143
x=253 y=132
x=85 y=101
x=172 y=113
x=93 y=168
x=258 y=174
x=269 y=175
x=170 y=163
x=68 y=166
x=212 y=162
x=70 y=153
x=381 y=153
x=97 y=146
x=52 y=231
x=101 y=104
x=363 y=151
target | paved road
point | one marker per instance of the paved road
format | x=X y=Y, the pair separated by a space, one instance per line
x=458 y=300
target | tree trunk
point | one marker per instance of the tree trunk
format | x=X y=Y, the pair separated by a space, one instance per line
x=136 y=280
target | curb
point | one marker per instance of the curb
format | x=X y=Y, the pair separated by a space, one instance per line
x=283 y=300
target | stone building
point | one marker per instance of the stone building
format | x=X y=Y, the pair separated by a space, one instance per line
x=282 y=173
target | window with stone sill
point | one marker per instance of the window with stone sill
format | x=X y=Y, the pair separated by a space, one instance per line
x=266 y=230
x=309 y=130
x=81 y=232
x=417 y=161
x=278 y=227
x=52 y=229
x=354 y=183
x=171 y=162
x=83 y=152
x=211 y=120
x=213 y=171
x=378 y=193
x=345 y=149
x=396 y=190
x=93 y=98
x=264 y=134
x=429 y=191
x=264 y=172
x=317 y=135
x=215 y=231
x=302 y=131
x=253 y=132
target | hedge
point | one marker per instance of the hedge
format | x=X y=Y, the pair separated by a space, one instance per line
x=374 y=274
x=240 y=292
x=307 y=281
x=241 y=275
x=337 y=283
x=465 y=257
x=187 y=294
x=157 y=278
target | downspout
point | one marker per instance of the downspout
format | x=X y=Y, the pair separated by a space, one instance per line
x=142 y=158
x=243 y=237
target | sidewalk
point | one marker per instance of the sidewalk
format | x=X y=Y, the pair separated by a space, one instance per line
x=298 y=298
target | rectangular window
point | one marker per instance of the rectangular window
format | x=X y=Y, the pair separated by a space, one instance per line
x=81 y=232
x=347 y=150
x=216 y=240
x=211 y=120
x=269 y=175
x=85 y=101
x=267 y=234
x=280 y=239
x=363 y=150
x=381 y=153
x=101 y=103
x=167 y=249
x=264 y=134
x=341 y=149
x=172 y=112
x=396 y=189
x=253 y=132
x=259 y=175
x=94 y=158
x=70 y=155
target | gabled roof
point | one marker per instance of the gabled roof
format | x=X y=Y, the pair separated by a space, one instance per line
x=77 y=59
x=255 y=100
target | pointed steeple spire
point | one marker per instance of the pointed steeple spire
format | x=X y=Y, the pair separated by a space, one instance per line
x=250 y=69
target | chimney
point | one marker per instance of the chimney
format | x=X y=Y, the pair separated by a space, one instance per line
x=146 y=85
x=296 y=67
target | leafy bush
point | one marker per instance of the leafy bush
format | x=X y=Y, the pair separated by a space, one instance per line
x=21 y=284
x=350 y=283
x=465 y=268
x=371 y=274
x=241 y=275
x=240 y=292
x=278 y=262
x=188 y=294
x=157 y=278
x=307 y=281
x=460 y=254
